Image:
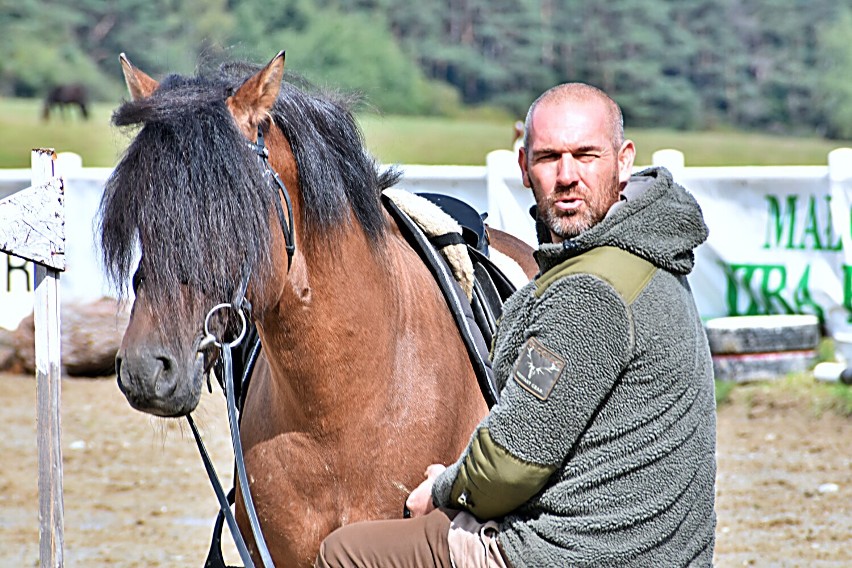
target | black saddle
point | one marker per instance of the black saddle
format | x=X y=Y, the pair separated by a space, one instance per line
x=476 y=319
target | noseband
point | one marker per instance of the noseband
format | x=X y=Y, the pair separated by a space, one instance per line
x=238 y=303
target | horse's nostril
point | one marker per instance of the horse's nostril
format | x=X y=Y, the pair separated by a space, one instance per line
x=166 y=363
x=118 y=374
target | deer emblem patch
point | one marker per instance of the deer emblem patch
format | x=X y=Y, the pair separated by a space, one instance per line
x=537 y=368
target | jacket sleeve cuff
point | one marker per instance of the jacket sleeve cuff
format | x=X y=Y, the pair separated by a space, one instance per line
x=489 y=481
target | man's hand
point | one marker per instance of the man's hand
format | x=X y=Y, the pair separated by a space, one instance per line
x=419 y=502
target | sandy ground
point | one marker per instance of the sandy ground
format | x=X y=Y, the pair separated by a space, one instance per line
x=135 y=491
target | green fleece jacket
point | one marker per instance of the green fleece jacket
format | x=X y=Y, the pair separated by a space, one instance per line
x=601 y=451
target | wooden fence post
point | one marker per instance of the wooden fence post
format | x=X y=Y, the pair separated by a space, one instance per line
x=32 y=226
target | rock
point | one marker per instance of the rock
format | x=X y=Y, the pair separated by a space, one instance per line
x=90 y=337
x=8 y=353
x=755 y=348
x=762 y=334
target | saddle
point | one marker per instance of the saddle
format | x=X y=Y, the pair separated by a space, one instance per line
x=474 y=287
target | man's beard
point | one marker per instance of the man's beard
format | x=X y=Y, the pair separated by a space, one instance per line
x=569 y=224
x=565 y=225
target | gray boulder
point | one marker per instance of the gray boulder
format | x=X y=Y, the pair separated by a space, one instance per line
x=90 y=337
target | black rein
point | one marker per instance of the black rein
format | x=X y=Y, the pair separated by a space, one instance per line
x=214 y=559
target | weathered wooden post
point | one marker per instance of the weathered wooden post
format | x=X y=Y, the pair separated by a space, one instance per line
x=32 y=227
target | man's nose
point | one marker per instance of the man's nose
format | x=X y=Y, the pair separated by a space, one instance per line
x=568 y=172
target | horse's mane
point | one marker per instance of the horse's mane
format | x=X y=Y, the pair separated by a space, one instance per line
x=193 y=194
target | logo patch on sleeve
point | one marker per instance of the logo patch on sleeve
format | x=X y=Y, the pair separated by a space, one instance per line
x=537 y=368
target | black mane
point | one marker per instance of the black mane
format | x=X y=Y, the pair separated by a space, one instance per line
x=193 y=194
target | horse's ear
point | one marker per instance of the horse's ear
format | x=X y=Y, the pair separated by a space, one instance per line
x=256 y=97
x=139 y=84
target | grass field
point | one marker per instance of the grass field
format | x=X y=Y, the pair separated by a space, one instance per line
x=404 y=140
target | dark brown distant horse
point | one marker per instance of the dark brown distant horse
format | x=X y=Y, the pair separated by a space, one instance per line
x=364 y=380
x=61 y=96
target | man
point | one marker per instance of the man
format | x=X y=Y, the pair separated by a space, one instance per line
x=601 y=451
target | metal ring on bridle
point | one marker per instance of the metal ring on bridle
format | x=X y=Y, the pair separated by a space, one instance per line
x=239 y=338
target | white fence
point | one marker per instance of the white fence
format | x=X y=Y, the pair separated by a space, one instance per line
x=780 y=237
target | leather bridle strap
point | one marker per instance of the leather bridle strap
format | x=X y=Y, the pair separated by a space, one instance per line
x=239 y=302
x=238 y=457
x=224 y=505
x=261 y=150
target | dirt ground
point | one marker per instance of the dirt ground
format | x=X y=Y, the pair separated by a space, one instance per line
x=135 y=491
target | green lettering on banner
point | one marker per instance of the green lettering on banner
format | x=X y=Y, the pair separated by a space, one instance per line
x=762 y=288
x=774 y=239
x=847 y=290
x=811 y=226
x=755 y=280
x=782 y=232
x=836 y=243
x=802 y=299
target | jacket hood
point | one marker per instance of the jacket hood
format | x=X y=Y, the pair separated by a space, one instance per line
x=656 y=219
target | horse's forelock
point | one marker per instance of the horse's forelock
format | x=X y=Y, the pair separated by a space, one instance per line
x=192 y=194
x=175 y=97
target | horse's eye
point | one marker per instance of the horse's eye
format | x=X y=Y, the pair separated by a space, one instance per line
x=138 y=277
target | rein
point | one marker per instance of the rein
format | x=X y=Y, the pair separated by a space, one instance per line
x=239 y=302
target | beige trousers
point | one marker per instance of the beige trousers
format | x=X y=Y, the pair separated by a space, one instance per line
x=443 y=539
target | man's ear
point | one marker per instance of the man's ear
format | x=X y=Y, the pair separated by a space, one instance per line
x=522 y=162
x=626 y=155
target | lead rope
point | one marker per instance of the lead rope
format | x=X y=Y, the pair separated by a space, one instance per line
x=228 y=387
x=224 y=505
x=238 y=458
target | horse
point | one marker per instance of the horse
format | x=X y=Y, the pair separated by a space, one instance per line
x=64 y=95
x=363 y=380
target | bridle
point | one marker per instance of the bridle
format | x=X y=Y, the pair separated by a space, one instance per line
x=240 y=304
x=287 y=226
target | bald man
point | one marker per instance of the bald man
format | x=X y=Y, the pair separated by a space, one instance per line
x=601 y=450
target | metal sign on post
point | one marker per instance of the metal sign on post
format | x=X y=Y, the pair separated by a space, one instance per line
x=32 y=227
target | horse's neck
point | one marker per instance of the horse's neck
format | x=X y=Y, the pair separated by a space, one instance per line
x=334 y=328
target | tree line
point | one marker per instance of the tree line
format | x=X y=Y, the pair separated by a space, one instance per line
x=772 y=65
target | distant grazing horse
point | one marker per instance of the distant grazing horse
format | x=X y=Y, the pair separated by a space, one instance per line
x=364 y=380
x=63 y=95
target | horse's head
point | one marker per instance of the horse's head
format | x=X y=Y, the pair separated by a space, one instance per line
x=198 y=207
x=191 y=200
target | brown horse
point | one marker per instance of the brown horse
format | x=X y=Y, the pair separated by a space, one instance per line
x=61 y=96
x=364 y=380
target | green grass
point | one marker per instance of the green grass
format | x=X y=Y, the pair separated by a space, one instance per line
x=820 y=397
x=22 y=129
x=463 y=140
x=731 y=148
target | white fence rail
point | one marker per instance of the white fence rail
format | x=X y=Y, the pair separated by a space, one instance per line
x=780 y=237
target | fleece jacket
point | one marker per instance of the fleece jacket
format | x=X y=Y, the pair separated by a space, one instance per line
x=601 y=450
